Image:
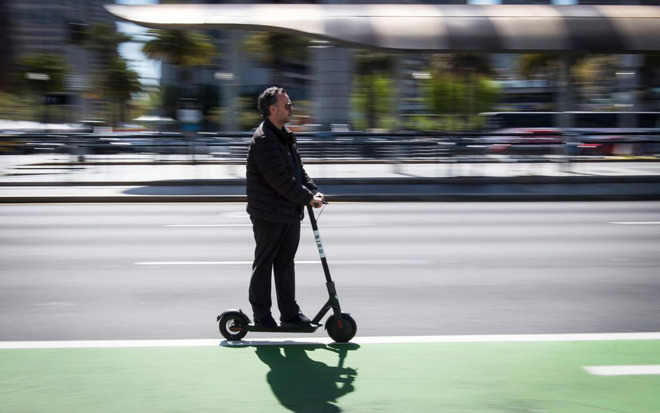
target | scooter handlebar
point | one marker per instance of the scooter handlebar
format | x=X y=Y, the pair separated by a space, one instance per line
x=317 y=205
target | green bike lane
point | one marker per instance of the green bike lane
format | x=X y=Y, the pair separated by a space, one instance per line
x=540 y=375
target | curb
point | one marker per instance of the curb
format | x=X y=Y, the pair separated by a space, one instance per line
x=445 y=193
x=462 y=180
x=400 y=189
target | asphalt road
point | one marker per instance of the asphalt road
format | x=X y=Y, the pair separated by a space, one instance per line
x=159 y=271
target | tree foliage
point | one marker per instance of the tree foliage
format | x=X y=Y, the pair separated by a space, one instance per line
x=180 y=47
x=54 y=67
x=272 y=49
x=277 y=51
x=459 y=89
x=104 y=40
x=595 y=78
x=119 y=83
x=372 y=101
x=116 y=82
x=373 y=90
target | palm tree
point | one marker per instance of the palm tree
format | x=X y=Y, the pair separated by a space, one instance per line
x=39 y=74
x=104 y=39
x=53 y=70
x=267 y=48
x=120 y=83
x=182 y=48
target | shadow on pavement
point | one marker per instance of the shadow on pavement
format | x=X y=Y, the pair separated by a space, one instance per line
x=304 y=385
x=197 y=190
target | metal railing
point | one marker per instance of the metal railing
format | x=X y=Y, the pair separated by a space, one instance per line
x=354 y=146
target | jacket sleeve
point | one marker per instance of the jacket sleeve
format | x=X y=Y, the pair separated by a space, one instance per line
x=271 y=164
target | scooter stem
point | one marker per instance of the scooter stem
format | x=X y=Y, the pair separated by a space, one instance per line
x=319 y=244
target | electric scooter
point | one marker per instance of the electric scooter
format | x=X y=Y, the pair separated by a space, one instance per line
x=341 y=327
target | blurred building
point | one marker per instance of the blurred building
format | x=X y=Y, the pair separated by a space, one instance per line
x=5 y=45
x=235 y=73
x=325 y=77
x=50 y=26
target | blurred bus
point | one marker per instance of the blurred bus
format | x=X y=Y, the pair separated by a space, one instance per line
x=580 y=120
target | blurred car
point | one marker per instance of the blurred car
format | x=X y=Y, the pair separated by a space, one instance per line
x=524 y=141
x=616 y=142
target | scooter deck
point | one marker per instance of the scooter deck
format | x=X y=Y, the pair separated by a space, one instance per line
x=301 y=329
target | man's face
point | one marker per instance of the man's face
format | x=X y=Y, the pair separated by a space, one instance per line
x=280 y=112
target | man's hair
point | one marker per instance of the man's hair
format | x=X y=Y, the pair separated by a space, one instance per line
x=267 y=98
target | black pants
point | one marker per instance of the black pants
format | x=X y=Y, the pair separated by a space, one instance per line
x=275 y=251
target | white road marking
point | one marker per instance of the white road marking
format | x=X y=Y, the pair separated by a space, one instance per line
x=235 y=214
x=510 y=338
x=208 y=225
x=504 y=338
x=249 y=225
x=57 y=304
x=201 y=262
x=346 y=262
x=636 y=222
x=630 y=370
x=28 y=345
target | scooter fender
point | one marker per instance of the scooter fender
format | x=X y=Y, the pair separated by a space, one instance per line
x=247 y=319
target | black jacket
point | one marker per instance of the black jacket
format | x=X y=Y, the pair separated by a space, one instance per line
x=275 y=190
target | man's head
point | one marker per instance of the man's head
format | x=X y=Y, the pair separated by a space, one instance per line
x=274 y=104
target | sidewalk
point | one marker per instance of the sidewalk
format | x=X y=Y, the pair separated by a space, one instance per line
x=126 y=178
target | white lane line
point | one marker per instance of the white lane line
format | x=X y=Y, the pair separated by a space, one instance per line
x=635 y=222
x=503 y=338
x=29 y=345
x=629 y=370
x=208 y=225
x=347 y=262
x=247 y=225
x=510 y=338
x=200 y=263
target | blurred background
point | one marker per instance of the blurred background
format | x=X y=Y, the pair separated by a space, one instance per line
x=98 y=86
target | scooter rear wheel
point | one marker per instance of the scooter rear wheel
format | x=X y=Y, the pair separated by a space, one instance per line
x=232 y=325
x=341 y=332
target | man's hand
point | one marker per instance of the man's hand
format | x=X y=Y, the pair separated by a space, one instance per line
x=318 y=200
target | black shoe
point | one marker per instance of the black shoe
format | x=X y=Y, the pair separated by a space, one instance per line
x=298 y=321
x=266 y=322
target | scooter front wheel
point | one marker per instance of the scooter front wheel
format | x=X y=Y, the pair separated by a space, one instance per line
x=341 y=330
x=232 y=325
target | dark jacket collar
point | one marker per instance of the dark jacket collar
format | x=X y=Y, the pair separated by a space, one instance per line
x=284 y=134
